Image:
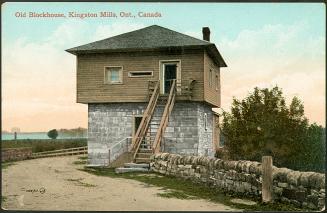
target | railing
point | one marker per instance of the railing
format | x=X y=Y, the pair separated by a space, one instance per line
x=184 y=90
x=143 y=127
x=165 y=118
x=61 y=152
x=119 y=148
x=151 y=86
x=187 y=89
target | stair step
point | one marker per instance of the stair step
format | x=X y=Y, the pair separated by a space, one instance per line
x=142 y=160
x=143 y=155
x=145 y=151
x=143 y=147
x=137 y=165
x=146 y=144
x=132 y=169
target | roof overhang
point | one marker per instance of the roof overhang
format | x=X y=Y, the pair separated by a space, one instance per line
x=215 y=55
x=210 y=48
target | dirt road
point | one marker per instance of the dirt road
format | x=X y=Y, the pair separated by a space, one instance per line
x=56 y=184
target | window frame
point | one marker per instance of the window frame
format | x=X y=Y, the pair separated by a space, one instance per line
x=107 y=80
x=210 y=78
x=178 y=63
x=130 y=74
x=205 y=117
x=217 y=81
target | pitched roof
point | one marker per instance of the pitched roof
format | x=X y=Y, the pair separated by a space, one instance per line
x=148 y=38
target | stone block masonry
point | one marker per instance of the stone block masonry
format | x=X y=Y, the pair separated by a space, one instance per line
x=303 y=189
x=189 y=129
x=107 y=125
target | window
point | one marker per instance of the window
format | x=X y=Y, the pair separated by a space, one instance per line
x=217 y=82
x=136 y=74
x=114 y=75
x=210 y=78
x=205 y=121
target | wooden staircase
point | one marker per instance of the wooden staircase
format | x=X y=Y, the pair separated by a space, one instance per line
x=143 y=156
x=147 y=139
x=140 y=135
x=165 y=118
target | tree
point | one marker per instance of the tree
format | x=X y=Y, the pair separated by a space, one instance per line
x=315 y=159
x=53 y=134
x=262 y=124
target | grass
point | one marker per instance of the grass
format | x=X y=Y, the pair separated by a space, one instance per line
x=83 y=157
x=176 y=194
x=79 y=182
x=82 y=160
x=41 y=145
x=5 y=165
x=79 y=162
x=186 y=189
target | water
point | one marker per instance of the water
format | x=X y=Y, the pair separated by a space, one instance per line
x=30 y=135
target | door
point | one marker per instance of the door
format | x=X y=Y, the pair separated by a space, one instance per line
x=169 y=75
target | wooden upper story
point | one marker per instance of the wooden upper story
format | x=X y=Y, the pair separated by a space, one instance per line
x=127 y=74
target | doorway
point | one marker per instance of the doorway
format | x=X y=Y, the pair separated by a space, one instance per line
x=137 y=122
x=169 y=74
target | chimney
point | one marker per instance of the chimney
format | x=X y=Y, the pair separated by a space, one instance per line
x=206 y=33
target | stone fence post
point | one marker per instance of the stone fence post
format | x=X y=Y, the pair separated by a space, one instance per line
x=267 y=180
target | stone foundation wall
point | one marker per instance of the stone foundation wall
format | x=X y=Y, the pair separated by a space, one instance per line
x=205 y=124
x=12 y=154
x=107 y=125
x=185 y=133
x=303 y=189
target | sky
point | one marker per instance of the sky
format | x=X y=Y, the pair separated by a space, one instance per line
x=263 y=44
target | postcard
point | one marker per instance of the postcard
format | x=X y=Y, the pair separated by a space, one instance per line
x=170 y=106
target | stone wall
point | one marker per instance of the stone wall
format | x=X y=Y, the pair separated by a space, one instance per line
x=12 y=154
x=185 y=133
x=205 y=124
x=303 y=189
x=107 y=125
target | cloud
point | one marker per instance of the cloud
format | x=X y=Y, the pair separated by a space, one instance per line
x=276 y=55
x=105 y=31
x=195 y=34
x=39 y=77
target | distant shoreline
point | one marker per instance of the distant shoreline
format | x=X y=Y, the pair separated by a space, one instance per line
x=38 y=135
x=22 y=132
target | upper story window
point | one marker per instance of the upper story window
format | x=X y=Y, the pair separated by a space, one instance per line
x=114 y=75
x=136 y=74
x=217 y=82
x=210 y=78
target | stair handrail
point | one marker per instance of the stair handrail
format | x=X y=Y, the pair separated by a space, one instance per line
x=119 y=142
x=165 y=117
x=110 y=148
x=147 y=115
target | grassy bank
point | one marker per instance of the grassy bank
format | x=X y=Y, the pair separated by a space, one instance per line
x=41 y=145
x=5 y=165
x=185 y=189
